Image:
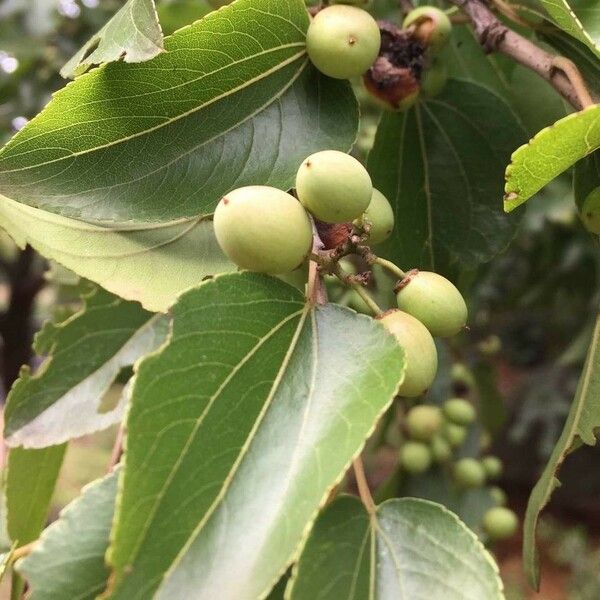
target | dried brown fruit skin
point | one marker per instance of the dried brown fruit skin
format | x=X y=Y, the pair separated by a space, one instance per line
x=333 y=234
x=394 y=77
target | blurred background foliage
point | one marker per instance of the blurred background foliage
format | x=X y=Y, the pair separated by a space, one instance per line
x=531 y=317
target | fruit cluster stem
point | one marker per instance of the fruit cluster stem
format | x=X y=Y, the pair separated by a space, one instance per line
x=386 y=264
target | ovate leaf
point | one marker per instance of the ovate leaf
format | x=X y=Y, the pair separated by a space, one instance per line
x=441 y=166
x=151 y=264
x=579 y=18
x=85 y=353
x=133 y=34
x=68 y=561
x=232 y=101
x=30 y=482
x=408 y=549
x=582 y=422
x=552 y=151
x=238 y=429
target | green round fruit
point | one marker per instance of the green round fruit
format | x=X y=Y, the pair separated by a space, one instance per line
x=433 y=300
x=500 y=523
x=263 y=229
x=440 y=449
x=380 y=216
x=498 y=495
x=333 y=186
x=419 y=350
x=343 y=41
x=432 y=26
x=434 y=78
x=492 y=466
x=590 y=212
x=469 y=473
x=455 y=434
x=459 y=411
x=415 y=457
x=462 y=376
x=423 y=422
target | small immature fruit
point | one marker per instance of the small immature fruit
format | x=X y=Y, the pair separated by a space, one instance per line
x=459 y=411
x=433 y=300
x=380 y=216
x=333 y=186
x=263 y=229
x=440 y=449
x=590 y=212
x=492 y=466
x=415 y=457
x=434 y=78
x=343 y=41
x=423 y=422
x=500 y=523
x=455 y=434
x=432 y=26
x=498 y=495
x=419 y=350
x=469 y=473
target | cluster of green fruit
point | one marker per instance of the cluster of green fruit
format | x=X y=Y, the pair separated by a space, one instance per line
x=266 y=230
x=344 y=41
x=433 y=435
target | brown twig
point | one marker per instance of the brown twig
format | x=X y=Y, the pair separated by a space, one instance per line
x=494 y=36
x=363 y=486
x=572 y=72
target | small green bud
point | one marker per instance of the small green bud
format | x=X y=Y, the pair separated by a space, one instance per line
x=423 y=422
x=434 y=300
x=469 y=473
x=415 y=457
x=419 y=350
x=500 y=523
x=459 y=411
x=333 y=186
x=498 y=495
x=343 y=41
x=492 y=466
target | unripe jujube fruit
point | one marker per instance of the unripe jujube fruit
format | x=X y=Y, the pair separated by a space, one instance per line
x=459 y=411
x=440 y=449
x=433 y=300
x=415 y=457
x=498 y=495
x=434 y=78
x=333 y=186
x=455 y=434
x=343 y=41
x=419 y=350
x=432 y=26
x=380 y=216
x=492 y=466
x=423 y=422
x=590 y=212
x=263 y=229
x=500 y=523
x=469 y=473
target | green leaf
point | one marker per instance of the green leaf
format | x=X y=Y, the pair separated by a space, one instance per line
x=151 y=264
x=85 y=353
x=582 y=422
x=68 y=562
x=408 y=549
x=441 y=165
x=552 y=151
x=30 y=482
x=579 y=18
x=232 y=101
x=133 y=34
x=238 y=429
